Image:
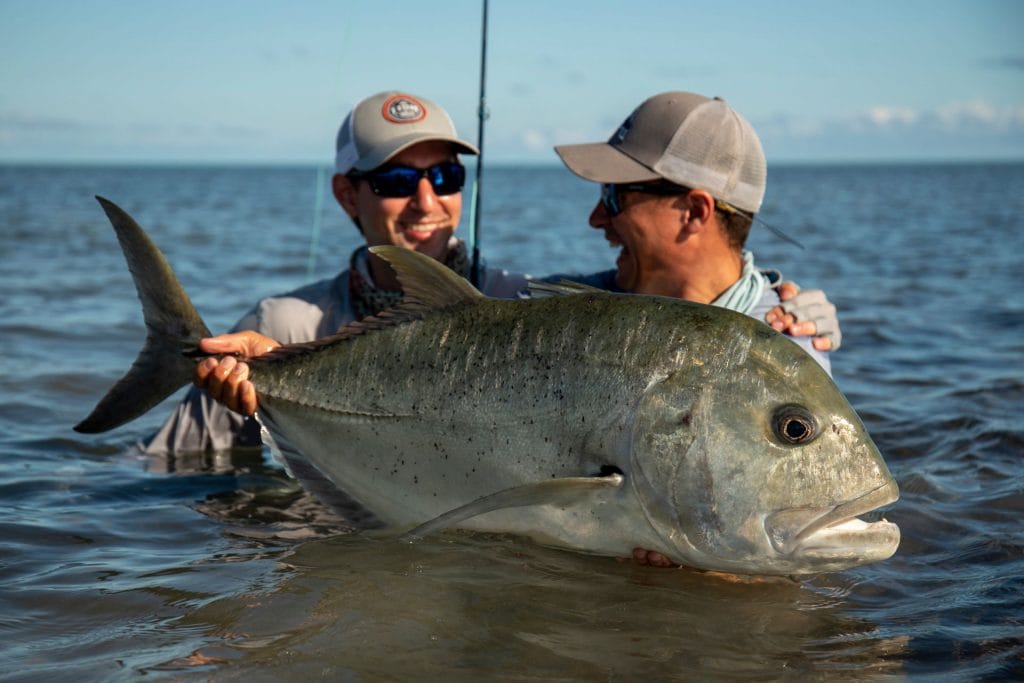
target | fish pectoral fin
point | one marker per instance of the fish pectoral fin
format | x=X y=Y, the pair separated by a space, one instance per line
x=563 y=491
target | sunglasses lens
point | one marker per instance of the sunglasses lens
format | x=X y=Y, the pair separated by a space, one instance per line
x=609 y=199
x=401 y=181
x=397 y=181
x=447 y=178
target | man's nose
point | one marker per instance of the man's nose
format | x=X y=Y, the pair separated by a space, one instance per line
x=599 y=216
x=425 y=198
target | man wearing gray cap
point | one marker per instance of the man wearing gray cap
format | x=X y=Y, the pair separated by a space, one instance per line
x=398 y=177
x=681 y=180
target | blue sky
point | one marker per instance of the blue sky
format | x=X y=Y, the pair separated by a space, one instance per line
x=267 y=81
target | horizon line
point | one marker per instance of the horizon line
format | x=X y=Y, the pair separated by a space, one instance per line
x=498 y=163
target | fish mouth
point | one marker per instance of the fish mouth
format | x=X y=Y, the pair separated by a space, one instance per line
x=836 y=534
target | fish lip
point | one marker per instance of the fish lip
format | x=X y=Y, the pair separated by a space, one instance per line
x=842 y=515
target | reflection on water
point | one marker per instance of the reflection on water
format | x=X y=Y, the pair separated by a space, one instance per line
x=480 y=606
x=476 y=605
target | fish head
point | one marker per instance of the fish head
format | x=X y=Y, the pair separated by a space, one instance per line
x=750 y=460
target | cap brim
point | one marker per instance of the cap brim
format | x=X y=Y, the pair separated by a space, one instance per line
x=384 y=153
x=601 y=163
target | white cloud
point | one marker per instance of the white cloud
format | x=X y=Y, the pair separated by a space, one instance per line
x=533 y=139
x=979 y=114
x=957 y=116
x=885 y=116
x=966 y=129
x=954 y=114
x=971 y=116
x=786 y=126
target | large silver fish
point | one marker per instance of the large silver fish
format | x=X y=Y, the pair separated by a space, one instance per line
x=592 y=421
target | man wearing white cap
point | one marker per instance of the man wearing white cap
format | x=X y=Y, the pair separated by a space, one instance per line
x=681 y=180
x=398 y=177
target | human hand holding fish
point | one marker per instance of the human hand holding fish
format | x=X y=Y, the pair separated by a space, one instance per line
x=226 y=379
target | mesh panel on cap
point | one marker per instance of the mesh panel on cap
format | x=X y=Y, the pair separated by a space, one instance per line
x=347 y=154
x=715 y=149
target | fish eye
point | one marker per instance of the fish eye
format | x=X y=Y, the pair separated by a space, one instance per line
x=794 y=425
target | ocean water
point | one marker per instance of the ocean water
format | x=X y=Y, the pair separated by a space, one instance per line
x=118 y=566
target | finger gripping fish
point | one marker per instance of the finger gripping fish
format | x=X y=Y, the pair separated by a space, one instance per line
x=582 y=419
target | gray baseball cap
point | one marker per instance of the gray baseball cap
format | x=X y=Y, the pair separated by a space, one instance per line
x=384 y=124
x=682 y=137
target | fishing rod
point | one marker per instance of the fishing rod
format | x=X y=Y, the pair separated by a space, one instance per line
x=474 y=227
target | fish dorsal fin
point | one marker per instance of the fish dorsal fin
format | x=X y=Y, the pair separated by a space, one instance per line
x=539 y=290
x=426 y=284
x=564 y=491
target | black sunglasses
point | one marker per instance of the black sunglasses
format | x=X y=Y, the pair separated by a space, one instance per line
x=610 y=193
x=446 y=178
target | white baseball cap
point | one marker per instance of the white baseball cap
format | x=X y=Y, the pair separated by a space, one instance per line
x=382 y=125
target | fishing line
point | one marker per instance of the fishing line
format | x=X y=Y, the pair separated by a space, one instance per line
x=318 y=202
x=314 y=239
x=475 y=202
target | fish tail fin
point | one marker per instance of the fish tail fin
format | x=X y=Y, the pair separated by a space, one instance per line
x=173 y=326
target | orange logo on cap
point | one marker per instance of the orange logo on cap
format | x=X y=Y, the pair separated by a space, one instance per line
x=403 y=109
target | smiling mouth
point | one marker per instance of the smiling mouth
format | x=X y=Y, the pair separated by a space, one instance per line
x=423 y=231
x=613 y=240
x=615 y=243
x=837 y=532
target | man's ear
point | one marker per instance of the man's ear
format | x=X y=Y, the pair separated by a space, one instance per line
x=700 y=210
x=345 y=192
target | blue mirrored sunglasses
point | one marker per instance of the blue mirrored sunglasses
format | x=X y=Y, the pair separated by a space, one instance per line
x=446 y=178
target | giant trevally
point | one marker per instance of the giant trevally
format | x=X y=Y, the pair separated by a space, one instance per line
x=592 y=421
